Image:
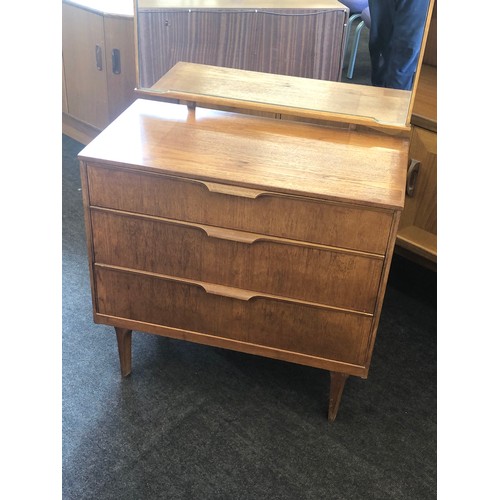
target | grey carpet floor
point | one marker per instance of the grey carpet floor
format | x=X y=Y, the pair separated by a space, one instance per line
x=195 y=422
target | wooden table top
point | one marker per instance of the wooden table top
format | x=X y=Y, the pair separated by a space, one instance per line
x=257 y=153
x=296 y=96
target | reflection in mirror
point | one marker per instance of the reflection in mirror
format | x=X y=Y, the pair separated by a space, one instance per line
x=283 y=37
x=391 y=34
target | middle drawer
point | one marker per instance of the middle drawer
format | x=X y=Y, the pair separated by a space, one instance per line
x=236 y=259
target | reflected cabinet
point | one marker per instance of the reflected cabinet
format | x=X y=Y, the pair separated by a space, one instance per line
x=289 y=37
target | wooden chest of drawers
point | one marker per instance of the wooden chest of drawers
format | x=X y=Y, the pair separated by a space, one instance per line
x=263 y=236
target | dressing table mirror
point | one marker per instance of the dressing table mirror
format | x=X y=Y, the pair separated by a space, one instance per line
x=291 y=37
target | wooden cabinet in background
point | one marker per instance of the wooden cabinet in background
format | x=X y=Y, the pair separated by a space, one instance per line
x=418 y=227
x=417 y=235
x=98 y=67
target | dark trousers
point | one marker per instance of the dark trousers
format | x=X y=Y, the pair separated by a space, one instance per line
x=396 y=32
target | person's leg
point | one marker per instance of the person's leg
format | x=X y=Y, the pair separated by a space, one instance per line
x=381 y=14
x=401 y=63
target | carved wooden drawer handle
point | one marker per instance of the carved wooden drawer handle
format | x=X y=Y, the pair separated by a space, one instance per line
x=238 y=191
x=229 y=234
x=228 y=292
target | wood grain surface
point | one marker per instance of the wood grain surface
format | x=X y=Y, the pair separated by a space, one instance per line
x=314 y=274
x=304 y=42
x=264 y=236
x=269 y=155
x=288 y=326
x=288 y=95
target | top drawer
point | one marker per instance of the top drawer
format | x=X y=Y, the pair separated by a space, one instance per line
x=292 y=217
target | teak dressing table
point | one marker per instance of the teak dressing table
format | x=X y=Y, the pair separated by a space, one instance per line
x=267 y=236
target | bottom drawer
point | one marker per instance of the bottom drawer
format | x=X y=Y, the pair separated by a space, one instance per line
x=289 y=326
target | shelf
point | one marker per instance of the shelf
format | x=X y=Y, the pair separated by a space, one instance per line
x=418 y=241
x=289 y=95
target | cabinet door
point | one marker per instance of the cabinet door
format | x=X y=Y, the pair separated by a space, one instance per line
x=85 y=65
x=120 y=60
x=418 y=226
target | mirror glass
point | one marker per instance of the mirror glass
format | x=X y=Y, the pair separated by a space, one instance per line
x=320 y=40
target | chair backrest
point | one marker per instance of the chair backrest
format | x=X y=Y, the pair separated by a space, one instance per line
x=355 y=6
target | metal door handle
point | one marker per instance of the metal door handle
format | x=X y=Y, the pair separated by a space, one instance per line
x=98 y=57
x=116 y=62
x=411 y=178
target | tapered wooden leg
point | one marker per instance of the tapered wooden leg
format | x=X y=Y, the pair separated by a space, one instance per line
x=124 y=339
x=337 y=382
